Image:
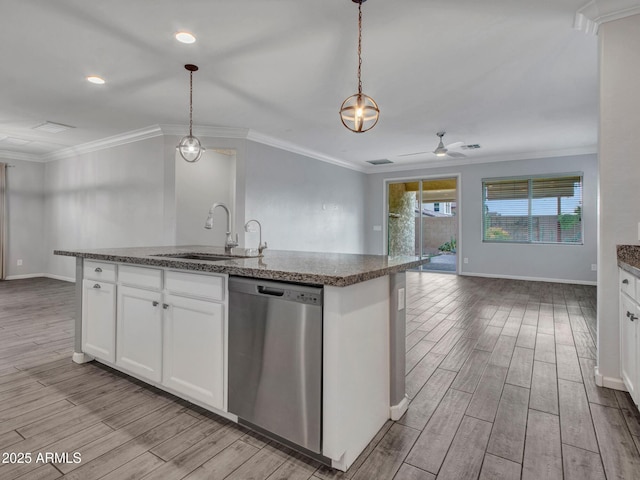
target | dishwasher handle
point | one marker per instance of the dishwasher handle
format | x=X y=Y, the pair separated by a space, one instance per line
x=275 y=292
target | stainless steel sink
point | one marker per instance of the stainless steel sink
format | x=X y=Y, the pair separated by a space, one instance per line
x=196 y=256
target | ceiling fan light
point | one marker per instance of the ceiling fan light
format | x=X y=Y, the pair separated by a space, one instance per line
x=190 y=149
x=440 y=153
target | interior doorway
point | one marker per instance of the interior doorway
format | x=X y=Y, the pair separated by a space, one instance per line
x=423 y=220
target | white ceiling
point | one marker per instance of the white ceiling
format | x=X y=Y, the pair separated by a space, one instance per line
x=510 y=75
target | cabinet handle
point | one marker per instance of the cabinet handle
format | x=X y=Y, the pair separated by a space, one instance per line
x=98 y=270
x=625 y=281
x=155 y=304
x=165 y=305
x=631 y=316
x=97 y=285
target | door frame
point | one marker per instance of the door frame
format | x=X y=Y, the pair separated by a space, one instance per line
x=414 y=178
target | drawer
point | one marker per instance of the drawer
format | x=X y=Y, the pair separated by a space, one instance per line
x=140 y=277
x=627 y=283
x=194 y=284
x=101 y=271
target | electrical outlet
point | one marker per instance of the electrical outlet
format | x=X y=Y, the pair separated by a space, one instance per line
x=466 y=260
x=20 y=262
x=594 y=267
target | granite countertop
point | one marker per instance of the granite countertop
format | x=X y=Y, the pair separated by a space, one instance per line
x=629 y=258
x=336 y=269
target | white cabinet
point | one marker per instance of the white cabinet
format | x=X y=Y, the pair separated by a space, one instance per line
x=99 y=319
x=139 y=332
x=629 y=345
x=160 y=325
x=193 y=348
x=630 y=335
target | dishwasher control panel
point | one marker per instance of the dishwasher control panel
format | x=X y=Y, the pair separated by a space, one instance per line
x=303 y=297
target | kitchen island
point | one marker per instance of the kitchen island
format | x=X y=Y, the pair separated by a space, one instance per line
x=159 y=316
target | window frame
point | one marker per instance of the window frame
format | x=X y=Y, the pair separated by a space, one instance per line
x=529 y=179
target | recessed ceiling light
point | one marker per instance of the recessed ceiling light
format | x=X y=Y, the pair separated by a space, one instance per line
x=95 y=79
x=185 y=37
x=52 y=127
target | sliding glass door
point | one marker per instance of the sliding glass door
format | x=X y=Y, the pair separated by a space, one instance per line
x=423 y=221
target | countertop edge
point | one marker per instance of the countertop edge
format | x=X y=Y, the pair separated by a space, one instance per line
x=628 y=257
x=215 y=267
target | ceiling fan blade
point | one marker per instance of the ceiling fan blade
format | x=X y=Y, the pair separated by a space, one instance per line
x=409 y=154
x=455 y=145
x=456 y=155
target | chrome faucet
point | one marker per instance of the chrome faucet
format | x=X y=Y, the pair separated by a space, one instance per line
x=230 y=242
x=261 y=246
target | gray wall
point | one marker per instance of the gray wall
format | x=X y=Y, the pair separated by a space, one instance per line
x=302 y=203
x=198 y=185
x=544 y=262
x=25 y=214
x=109 y=198
x=139 y=194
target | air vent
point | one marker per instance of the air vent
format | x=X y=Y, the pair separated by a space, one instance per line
x=471 y=146
x=384 y=161
x=52 y=127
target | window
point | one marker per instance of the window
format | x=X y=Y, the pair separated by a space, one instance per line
x=533 y=209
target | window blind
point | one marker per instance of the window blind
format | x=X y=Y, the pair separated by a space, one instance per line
x=542 y=209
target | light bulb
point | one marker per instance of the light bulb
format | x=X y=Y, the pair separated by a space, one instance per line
x=190 y=149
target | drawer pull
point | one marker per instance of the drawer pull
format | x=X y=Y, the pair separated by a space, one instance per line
x=155 y=304
x=631 y=316
x=98 y=270
x=625 y=281
x=97 y=285
x=165 y=305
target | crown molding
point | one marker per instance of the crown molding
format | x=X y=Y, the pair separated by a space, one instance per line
x=567 y=152
x=204 y=131
x=589 y=18
x=293 y=148
x=109 y=142
x=243 y=133
x=27 y=157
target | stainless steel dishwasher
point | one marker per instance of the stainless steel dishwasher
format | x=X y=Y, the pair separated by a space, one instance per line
x=275 y=359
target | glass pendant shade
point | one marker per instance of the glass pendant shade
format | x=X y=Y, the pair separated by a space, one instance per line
x=359 y=113
x=190 y=148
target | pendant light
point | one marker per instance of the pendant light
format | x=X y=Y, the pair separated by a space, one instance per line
x=189 y=147
x=359 y=112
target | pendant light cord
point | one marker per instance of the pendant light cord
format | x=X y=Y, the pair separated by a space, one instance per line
x=359 y=46
x=190 y=103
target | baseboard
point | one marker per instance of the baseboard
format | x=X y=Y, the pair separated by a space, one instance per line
x=39 y=275
x=27 y=275
x=59 y=277
x=398 y=410
x=81 y=357
x=531 y=279
x=609 y=382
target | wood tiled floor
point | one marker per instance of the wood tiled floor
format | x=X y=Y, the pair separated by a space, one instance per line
x=500 y=375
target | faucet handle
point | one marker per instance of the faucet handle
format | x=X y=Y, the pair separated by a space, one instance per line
x=262 y=247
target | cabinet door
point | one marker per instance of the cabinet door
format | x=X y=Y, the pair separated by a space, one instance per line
x=194 y=349
x=629 y=345
x=99 y=319
x=139 y=347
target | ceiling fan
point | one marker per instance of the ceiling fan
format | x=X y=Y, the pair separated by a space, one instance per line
x=442 y=150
